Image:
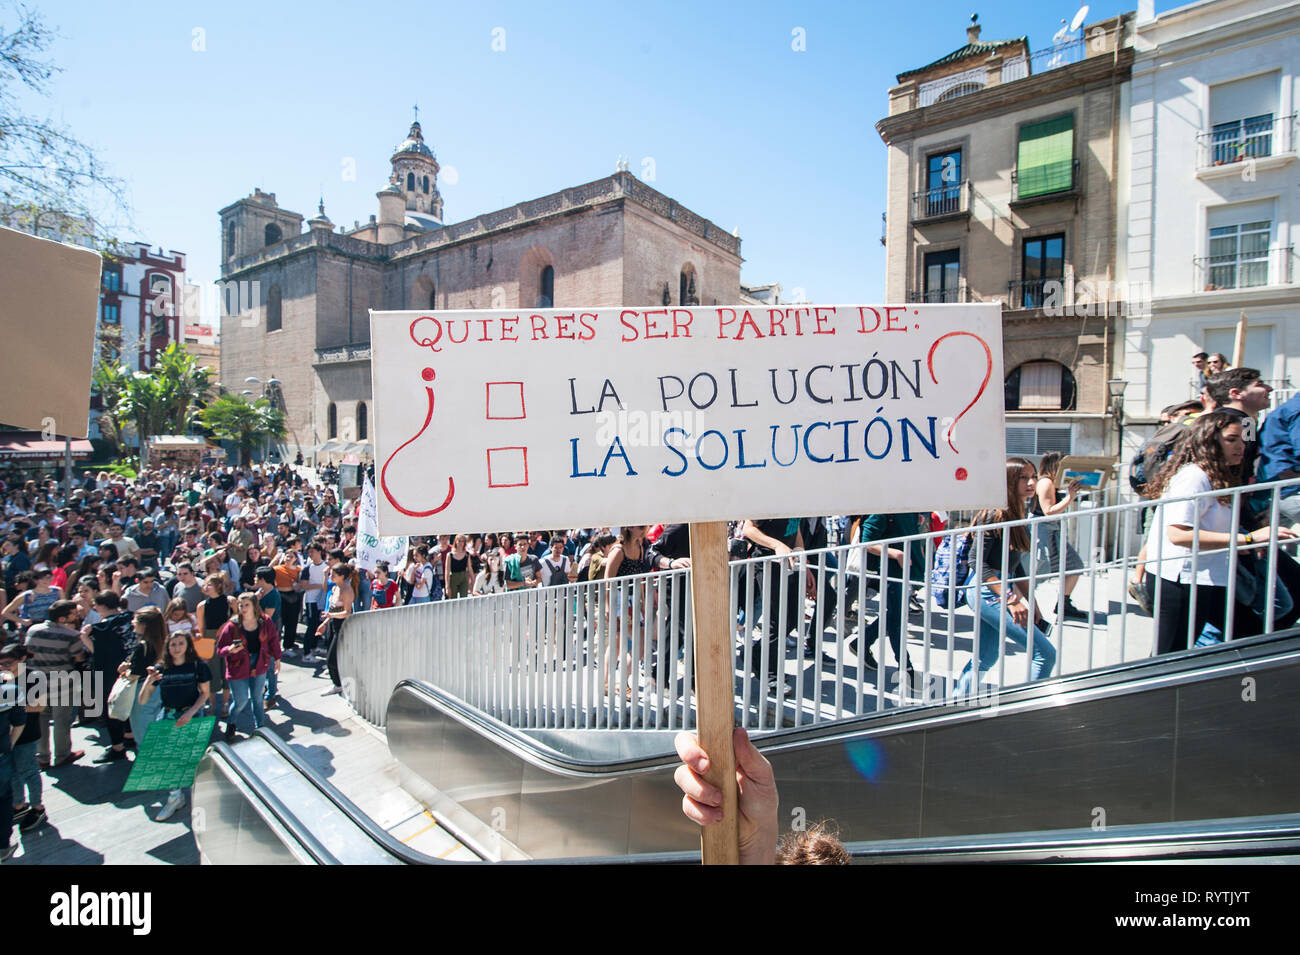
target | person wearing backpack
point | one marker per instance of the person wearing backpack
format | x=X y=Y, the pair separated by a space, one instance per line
x=998 y=598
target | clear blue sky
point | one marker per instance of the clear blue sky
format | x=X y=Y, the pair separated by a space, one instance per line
x=741 y=128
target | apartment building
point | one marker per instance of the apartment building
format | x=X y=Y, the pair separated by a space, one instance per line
x=1003 y=186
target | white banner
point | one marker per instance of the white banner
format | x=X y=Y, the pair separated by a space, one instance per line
x=522 y=419
x=371 y=548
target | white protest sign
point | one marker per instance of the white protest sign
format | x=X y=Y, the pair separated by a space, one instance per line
x=518 y=418
x=371 y=548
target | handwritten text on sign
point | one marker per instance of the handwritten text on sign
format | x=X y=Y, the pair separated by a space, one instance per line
x=489 y=420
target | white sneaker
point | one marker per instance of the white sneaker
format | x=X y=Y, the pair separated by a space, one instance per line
x=333 y=690
x=169 y=808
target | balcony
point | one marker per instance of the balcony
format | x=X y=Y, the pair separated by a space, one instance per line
x=1014 y=68
x=1267 y=140
x=1072 y=191
x=938 y=296
x=1219 y=273
x=1036 y=293
x=944 y=203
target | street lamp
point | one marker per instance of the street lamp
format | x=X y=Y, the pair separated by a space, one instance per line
x=1116 y=388
x=270 y=390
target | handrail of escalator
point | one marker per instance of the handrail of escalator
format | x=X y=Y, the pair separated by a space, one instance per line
x=1214 y=838
x=1133 y=676
x=385 y=839
x=283 y=815
x=360 y=819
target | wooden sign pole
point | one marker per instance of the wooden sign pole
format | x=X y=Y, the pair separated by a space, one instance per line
x=714 y=684
x=1239 y=344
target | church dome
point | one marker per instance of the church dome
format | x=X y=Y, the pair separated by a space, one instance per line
x=414 y=144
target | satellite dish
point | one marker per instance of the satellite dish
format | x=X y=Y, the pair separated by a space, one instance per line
x=1061 y=35
x=1079 y=18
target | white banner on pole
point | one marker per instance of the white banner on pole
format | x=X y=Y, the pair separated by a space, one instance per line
x=371 y=548
x=517 y=419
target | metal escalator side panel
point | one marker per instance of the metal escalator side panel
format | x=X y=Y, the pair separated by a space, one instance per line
x=1167 y=741
x=524 y=804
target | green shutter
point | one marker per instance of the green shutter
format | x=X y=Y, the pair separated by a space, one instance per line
x=1046 y=160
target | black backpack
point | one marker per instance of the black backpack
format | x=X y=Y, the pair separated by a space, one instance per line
x=1147 y=463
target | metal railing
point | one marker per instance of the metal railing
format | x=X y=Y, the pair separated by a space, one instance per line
x=1035 y=293
x=1273 y=266
x=950 y=200
x=619 y=654
x=956 y=293
x=952 y=86
x=1254 y=137
x=1043 y=61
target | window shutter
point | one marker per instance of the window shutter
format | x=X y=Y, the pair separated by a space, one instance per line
x=1045 y=162
x=1040 y=386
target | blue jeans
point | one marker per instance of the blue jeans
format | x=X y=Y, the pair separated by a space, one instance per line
x=246 y=697
x=27 y=775
x=991 y=611
x=272 y=682
x=142 y=714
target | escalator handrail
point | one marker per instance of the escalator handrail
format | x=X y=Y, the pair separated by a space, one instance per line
x=1241 y=835
x=354 y=813
x=1208 y=663
x=283 y=816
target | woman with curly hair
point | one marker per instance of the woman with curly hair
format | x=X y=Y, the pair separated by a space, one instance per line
x=1208 y=458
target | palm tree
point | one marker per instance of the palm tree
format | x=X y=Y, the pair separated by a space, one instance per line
x=231 y=418
x=187 y=386
x=133 y=399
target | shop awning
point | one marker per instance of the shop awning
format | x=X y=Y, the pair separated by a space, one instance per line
x=25 y=447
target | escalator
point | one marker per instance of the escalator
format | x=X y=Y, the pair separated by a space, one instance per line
x=1184 y=757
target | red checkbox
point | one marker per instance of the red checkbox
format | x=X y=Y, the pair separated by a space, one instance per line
x=505 y=401
x=507 y=467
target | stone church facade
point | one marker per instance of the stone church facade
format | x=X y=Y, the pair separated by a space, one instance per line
x=304 y=336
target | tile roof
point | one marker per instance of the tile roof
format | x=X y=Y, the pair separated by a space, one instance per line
x=961 y=53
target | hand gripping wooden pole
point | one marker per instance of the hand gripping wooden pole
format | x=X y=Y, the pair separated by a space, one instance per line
x=714 y=684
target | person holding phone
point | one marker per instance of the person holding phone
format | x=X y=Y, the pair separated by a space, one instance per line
x=249 y=646
x=183 y=681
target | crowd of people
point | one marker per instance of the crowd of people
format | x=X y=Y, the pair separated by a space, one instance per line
x=185 y=591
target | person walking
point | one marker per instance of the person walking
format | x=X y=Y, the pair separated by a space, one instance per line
x=56 y=651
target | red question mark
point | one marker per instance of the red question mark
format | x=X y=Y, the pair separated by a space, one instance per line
x=428 y=375
x=988 y=373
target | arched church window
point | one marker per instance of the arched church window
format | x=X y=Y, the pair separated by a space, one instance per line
x=362 y=423
x=410 y=182
x=426 y=185
x=546 y=294
x=230 y=240
x=333 y=420
x=272 y=234
x=274 y=316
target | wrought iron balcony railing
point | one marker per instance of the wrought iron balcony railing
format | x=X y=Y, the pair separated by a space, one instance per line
x=1254 y=137
x=1216 y=273
x=949 y=200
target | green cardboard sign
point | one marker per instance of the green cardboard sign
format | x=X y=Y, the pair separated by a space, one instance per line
x=169 y=755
